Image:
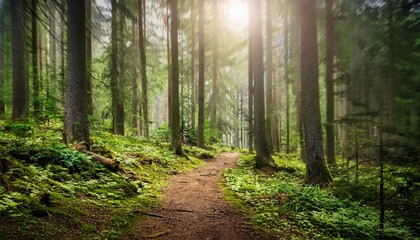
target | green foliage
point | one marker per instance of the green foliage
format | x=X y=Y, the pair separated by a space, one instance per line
x=19 y=129
x=59 y=154
x=402 y=183
x=290 y=163
x=191 y=136
x=47 y=187
x=246 y=161
x=162 y=133
x=283 y=207
x=199 y=152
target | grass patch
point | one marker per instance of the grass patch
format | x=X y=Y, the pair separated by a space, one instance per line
x=283 y=207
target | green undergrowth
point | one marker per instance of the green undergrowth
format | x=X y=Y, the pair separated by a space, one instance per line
x=50 y=191
x=283 y=207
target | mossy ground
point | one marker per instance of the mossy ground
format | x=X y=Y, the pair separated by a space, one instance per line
x=281 y=205
x=50 y=191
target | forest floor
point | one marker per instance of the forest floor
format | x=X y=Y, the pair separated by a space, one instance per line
x=194 y=207
x=48 y=190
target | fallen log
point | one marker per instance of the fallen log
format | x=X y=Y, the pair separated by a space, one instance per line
x=111 y=164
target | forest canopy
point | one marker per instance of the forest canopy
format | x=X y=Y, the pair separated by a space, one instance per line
x=368 y=71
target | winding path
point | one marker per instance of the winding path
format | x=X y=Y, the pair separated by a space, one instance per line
x=194 y=208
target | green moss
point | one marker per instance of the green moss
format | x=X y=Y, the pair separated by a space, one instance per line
x=84 y=197
x=283 y=207
x=232 y=198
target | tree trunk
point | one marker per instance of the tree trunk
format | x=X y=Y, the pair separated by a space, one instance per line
x=344 y=140
x=392 y=72
x=89 y=56
x=170 y=118
x=143 y=65
x=20 y=102
x=176 y=131
x=287 y=81
x=236 y=120
x=35 y=78
x=114 y=70
x=63 y=54
x=215 y=68
x=134 y=86
x=241 y=124
x=276 y=106
x=2 y=59
x=193 y=84
x=117 y=119
x=200 y=130
x=250 y=85
x=45 y=60
x=269 y=75
x=53 y=56
x=316 y=169
x=76 y=119
x=329 y=81
x=263 y=156
x=121 y=79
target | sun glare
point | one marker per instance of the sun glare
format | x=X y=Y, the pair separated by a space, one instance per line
x=237 y=11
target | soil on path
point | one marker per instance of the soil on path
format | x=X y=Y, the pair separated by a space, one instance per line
x=194 y=207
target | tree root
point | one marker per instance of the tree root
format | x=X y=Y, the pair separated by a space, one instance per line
x=152 y=214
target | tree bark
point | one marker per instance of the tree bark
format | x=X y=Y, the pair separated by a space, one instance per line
x=276 y=106
x=241 y=123
x=170 y=118
x=53 y=65
x=269 y=75
x=329 y=81
x=263 y=156
x=63 y=54
x=76 y=118
x=193 y=84
x=287 y=82
x=20 y=102
x=200 y=130
x=89 y=56
x=215 y=68
x=392 y=72
x=143 y=65
x=236 y=120
x=134 y=86
x=2 y=60
x=114 y=68
x=121 y=76
x=35 y=78
x=316 y=169
x=117 y=118
x=176 y=131
x=250 y=85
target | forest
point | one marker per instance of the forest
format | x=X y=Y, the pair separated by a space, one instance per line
x=210 y=119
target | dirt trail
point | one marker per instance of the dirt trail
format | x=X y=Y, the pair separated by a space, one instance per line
x=194 y=207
